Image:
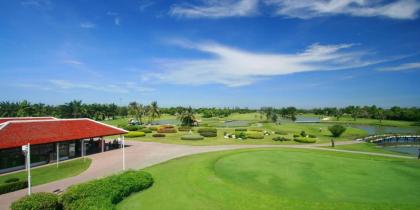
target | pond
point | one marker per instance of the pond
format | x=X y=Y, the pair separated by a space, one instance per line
x=235 y=123
x=166 y=122
x=405 y=149
x=375 y=130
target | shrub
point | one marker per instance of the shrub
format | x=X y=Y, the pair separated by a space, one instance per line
x=158 y=135
x=10 y=180
x=312 y=136
x=281 y=133
x=296 y=135
x=280 y=138
x=303 y=134
x=241 y=129
x=184 y=128
x=130 y=127
x=192 y=137
x=106 y=192
x=256 y=129
x=240 y=135
x=146 y=130
x=209 y=129
x=153 y=128
x=166 y=129
x=134 y=134
x=254 y=135
x=42 y=200
x=208 y=134
x=13 y=186
x=337 y=130
x=305 y=140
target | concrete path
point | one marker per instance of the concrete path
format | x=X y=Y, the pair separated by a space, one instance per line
x=143 y=154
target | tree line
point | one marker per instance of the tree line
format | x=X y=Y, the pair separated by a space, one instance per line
x=149 y=112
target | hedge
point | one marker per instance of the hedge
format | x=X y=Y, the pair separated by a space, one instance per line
x=280 y=138
x=105 y=193
x=42 y=200
x=296 y=135
x=13 y=186
x=305 y=140
x=256 y=129
x=130 y=127
x=312 y=136
x=10 y=180
x=192 y=137
x=133 y=134
x=146 y=130
x=241 y=129
x=166 y=129
x=207 y=130
x=254 y=135
x=158 y=135
x=184 y=128
x=208 y=134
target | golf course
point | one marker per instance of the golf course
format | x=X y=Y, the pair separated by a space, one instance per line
x=281 y=179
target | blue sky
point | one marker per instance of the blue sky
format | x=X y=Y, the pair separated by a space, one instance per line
x=247 y=53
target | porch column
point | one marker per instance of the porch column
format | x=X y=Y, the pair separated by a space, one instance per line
x=58 y=153
x=102 y=144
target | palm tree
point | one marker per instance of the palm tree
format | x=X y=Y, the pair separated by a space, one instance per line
x=154 y=111
x=134 y=109
x=187 y=117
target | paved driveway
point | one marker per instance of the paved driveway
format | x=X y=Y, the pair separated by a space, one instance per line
x=140 y=155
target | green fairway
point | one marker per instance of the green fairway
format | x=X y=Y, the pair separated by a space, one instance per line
x=281 y=179
x=45 y=174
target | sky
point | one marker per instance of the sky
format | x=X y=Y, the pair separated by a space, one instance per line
x=210 y=53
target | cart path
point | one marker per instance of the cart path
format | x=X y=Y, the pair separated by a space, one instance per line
x=143 y=154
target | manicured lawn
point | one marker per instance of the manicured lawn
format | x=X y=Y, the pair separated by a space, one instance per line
x=281 y=179
x=366 y=147
x=42 y=175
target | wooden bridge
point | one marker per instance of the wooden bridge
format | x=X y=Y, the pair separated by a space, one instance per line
x=392 y=139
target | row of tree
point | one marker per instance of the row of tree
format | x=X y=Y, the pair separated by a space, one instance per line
x=142 y=113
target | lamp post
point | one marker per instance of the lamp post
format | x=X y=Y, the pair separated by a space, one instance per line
x=27 y=151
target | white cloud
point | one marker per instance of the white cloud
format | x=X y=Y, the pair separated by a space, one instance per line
x=73 y=62
x=117 y=21
x=402 y=67
x=235 y=67
x=216 y=9
x=395 y=9
x=87 y=25
x=145 y=4
x=112 y=88
x=40 y=4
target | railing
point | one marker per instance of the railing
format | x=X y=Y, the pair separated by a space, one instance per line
x=391 y=138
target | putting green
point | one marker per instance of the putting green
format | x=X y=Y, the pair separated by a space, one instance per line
x=281 y=179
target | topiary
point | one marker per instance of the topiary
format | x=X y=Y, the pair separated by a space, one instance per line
x=146 y=130
x=184 y=128
x=254 y=135
x=208 y=129
x=304 y=140
x=42 y=200
x=296 y=135
x=241 y=129
x=134 y=134
x=158 y=135
x=208 y=134
x=303 y=134
x=192 y=137
x=281 y=132
x=166 y=129
x=312 y=136
x=280 y=138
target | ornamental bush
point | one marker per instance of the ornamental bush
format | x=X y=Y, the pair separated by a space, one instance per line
x=296 y=135
x=192 y=137
x=10 y=180
x=209 y=129
x=254 y=135
x=146 y=130
x=130 y=127
x=312 y=136
x=208 y=134
x=241 y=129
x=105 y=193
x=13 y=186
x=42 y=200
x=305 y=140
x=134 y=134
x=303 y=134
x=281 y=138
x=337 y=130
x=158 y=135
x=166 y=129
x=256 y=129
x=184 y=128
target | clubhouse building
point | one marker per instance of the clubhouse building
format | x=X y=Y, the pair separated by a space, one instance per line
x=52 y=140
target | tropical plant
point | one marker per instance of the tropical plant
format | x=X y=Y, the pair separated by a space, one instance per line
x=187 y=117
x=337 y=130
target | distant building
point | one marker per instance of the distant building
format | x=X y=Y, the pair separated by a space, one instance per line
x=45 y=134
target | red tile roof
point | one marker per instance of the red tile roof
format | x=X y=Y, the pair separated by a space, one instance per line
x=16 y=133
x=2 y=120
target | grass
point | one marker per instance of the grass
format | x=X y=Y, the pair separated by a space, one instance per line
x=366 y=147
x=281 y=179
x=45 y=174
